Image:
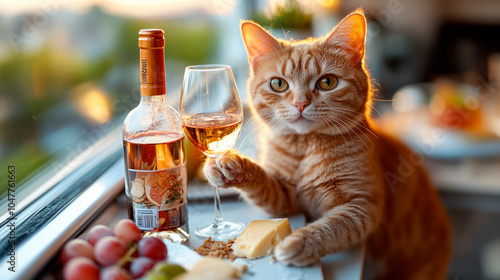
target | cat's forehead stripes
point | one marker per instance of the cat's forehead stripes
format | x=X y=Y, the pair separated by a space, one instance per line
x=300 y=63
x=286 y=69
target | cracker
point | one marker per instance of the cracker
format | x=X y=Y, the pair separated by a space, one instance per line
x=218 y=249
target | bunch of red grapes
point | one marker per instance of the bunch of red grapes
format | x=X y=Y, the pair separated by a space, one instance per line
x=118 y=254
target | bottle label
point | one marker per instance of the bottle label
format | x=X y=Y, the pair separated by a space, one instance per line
x=146 y=219
x=155 y=193
x=165 y=189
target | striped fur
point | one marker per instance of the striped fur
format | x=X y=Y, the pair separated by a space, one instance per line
x=355 y=184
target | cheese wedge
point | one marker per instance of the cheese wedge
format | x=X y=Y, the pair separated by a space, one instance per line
x=210 y=268
x=260 y=238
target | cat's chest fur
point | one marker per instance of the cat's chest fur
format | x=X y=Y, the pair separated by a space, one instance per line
x=298 y=158
x=310 y=164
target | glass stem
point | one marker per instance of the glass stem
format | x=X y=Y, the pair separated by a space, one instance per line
x=218 y=221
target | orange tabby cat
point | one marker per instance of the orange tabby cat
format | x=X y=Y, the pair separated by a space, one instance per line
x=324 y=158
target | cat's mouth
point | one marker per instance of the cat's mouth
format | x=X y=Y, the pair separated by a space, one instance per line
x=302 y=125
x=301 y=118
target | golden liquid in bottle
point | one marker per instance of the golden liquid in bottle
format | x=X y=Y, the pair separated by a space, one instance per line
x=156 y=186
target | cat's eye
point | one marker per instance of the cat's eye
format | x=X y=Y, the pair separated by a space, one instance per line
x=327 y=82
x=278 y=84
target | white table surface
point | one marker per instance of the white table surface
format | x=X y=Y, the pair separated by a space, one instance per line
x=343 y=265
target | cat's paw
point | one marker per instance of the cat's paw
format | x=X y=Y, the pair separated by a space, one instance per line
x=225 y=171
x=295 y=250
x=213 y=175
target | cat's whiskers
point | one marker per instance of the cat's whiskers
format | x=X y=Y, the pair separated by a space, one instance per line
x=248 y=122
x=333 y=123
x=280 y=123
x=357 y=115
x=348 y=121
x=266 y=116
x=358 y=129
x=250 y=133
x=351 y=116
x=375 y=109
x=251 y=122
x=348 y=129
x=261 y=117
x=319 y=134
x=356 y=126
x=274 y=121
x=348 y=115
x=256 y=120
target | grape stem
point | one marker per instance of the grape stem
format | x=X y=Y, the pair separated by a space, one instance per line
x=128 y=256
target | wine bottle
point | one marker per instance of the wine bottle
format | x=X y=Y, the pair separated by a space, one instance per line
x=155 y=163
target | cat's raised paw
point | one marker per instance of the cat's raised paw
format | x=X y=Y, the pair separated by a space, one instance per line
x=225 y=171
x=294 y=250
x=213 y=175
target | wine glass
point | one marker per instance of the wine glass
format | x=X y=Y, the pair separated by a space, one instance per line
x=212 y=115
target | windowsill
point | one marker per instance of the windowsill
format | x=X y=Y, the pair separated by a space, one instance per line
x=65 y=205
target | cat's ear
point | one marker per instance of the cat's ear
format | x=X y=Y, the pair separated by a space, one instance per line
x=258 y=42
x=350 y=34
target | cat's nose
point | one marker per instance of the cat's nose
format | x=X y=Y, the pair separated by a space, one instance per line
x=301 y=105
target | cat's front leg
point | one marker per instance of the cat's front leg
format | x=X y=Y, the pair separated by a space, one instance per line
x=343 y=227
x=257 y=185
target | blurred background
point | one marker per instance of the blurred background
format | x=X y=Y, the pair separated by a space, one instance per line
x=69 y=74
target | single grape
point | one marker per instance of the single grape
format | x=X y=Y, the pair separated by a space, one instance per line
x=141 y=266
x=163 y=271
x=114 y=273
x=152 y=248
x=156 y=275
x=81 y=268
x=127 y=231
x=77 y=248
x=109 y=250
x=135 y=254
x=170 y=270
x=97 y=233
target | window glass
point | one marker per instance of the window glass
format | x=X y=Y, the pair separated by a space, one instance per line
x=69 y=72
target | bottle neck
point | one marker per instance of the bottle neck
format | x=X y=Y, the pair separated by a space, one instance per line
x=152 y=69
x=153 y=99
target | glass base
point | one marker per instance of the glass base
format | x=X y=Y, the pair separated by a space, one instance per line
x=222 y=231
x=177 y=235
